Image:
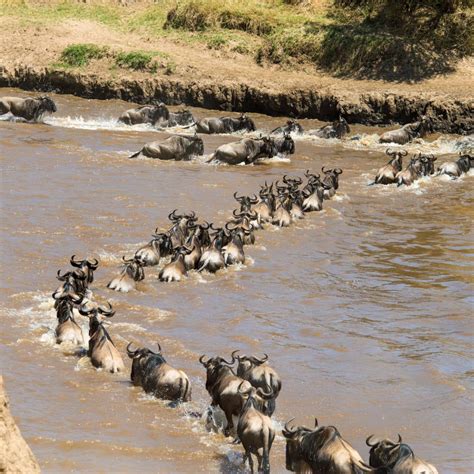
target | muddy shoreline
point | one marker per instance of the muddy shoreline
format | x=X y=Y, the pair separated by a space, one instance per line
x=448 y=114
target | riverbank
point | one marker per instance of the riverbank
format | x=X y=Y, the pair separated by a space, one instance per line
x=188 y=73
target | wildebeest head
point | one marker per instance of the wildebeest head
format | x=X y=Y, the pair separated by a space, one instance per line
x=215 y=367
x=87 y=266
x=396 y=158
x=74 y=282
x=245 y=201
x=293 y=437
x=47 y=105
x=247 y=363
x=286 y=145
x=427 y=164
x=331 y=177
x=384 y=453
x=255 y=397
x=341 y=127
x=465 y=162
x=163 y=241
x=133 y=267
x=159 y=112
x=198 y=145
x=201 y=232
x=246 y=123
x=95 y=314
x=143 y=361
x=292 y=126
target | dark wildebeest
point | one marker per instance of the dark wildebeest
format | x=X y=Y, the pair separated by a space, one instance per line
x=265 y=207
x=132 y=271
x=160 y=246
x=74 y=282
x=245 y=151
x=330 y=181
x=223 y=386
x=313 y=193
x=337 y=129
x=225 y=125
x=255 y=429
x=411 y=173
x=87 y=266
x=407 y=133
x=322 y=450
x=102 y=350
x=285 y=145
x=180 y=118
x=292 y=126
x=152 y=114
x=233 y=251
x=260 y=375
x=182 y=227
x=454 y=169
x=176 y=147
x=212 y=258
x=67 y=330
x=427 y=164
x=31 y=109
x=387 y=174
x=176 y=269
x=396 y=458
x=151 y=371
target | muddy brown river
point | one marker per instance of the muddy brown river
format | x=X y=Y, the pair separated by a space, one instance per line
x=365 y=309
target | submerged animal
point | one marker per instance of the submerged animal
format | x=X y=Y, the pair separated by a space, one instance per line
x=225 y=125
x=407 y=133
x=151 y=114
x=244 y=151
x=31 y=108
x=176 y=147
x=338 y=129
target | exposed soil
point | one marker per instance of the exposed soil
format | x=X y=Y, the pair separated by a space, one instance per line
x=225 y=81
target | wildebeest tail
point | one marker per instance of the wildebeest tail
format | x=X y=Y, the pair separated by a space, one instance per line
x=266 y=450
x=135 y=154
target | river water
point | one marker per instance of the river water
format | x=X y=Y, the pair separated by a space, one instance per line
x=365 y=309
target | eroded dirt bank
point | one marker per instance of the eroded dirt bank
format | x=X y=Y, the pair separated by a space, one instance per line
x=449 y=115
x=15 y=454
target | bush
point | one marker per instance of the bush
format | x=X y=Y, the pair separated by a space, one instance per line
x=80 y=54
x=136 y=60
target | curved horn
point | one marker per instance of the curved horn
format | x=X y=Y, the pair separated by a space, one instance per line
x=60 y=277
x=288 y=429
x=74 y=263
x=389 y=152
x=94 y=263
x=159 y=347
x=403 y=152
x=237 y=197
x=265 y=395
x=244 y=392
x=368 y=441
x=203 y=226
x=131 y=353
x=172 y=215
x=201 y=360
x=229 y=363
x=234 y=356
x=254 y=200
x=263 y=359
x=127 y=260
x=399 y=439
x=106 y=311
x=337 y=170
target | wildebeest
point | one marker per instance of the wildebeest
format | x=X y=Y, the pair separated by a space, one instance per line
x=292 y=126
x=212 y=259
x=223 y=386
x=313 y=193
x=245 y=151
x=427 y=164
x=152 y=114
x=182 y=227
x=396 y=458
x=67 y=330
x=295 y=196
x=160 y=246
x=233 y=251
x=176 y=147
x=454 y=169
x=330 y=181
x=411 y=173
x=180 y=118
x=225 y=125
x=132 y=271
x=264 y=208
x=407 y=133
x=31 y=108
x=284 y=145
x=321 y=450
x=338 y=129
x=74 y=281
x=387 y=174
x=176 y=269
x=281 y=215
x=102 y=350
x=260 y=375
x=245 y=223
x=151 y=371
x=87 y=266
x=255 y=429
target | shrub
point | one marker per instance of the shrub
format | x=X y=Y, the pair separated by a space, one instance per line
x=80 y=54
x=136 y=60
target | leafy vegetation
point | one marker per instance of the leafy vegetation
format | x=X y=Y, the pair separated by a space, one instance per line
x=77 y=55
x=136 y=60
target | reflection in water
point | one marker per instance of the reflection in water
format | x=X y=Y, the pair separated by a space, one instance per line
x=364 y=308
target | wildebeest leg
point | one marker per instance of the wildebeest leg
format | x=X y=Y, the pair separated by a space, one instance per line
x=230 y=424
x=4 y=108
x=248 y=455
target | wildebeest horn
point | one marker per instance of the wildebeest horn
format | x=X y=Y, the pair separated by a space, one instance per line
x=191 y=215
x=74 y=263
x=159 y=347
x=84 y=312
x=93 y=263
x=75 y=298
x=106 y=311
x=389 y=152
x=263 y=359
x=254 y=200
x=127 y=260
x=238 y=198
x=60 y=277
x=316 y=424
x=369 y=442
x=245 y=392
x=399 y=439
x=211 y=225
x=265 y=395
x=234 y=356
x=403 y=152
x=131 y=353
x=337 y=170
x=172 y=215
x=229 y=363
x=79 y=274
x=288 y=429
x=205 y=225
x=205 y=364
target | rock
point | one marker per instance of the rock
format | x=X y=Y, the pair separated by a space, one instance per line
x=15 y=455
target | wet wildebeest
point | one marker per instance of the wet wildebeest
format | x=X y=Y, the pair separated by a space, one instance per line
x=102 y=350
x=223 y=386
x=265 y=207
x=411 y=173
x=285 y=145
x=321 y=450
x=176 y=269
x=31 y=109
x=67 y=329
x=152 y=114
x=313 y=193
x=176 y=147
x=212 y=258
x=387 y=174
x=160 y=246
x=337 y=129
x=87 y=266
x=292 y=126
x=74 y=281
x=245 y=151
x=281 y=215
x=151 y=371
x=246 y=221
x=182 y=227
x=132 y=271
x=454 y=169
x=225 y=125
x=260 y=375
x=295 y=195
x=330 y=181
x=233 y=251
x=255 y=429
x=197 y=241
x=180 y=118
x=427 y=164
x=396 y=458
x=407 y=133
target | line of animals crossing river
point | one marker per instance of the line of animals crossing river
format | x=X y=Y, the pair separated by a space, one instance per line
x=245 y=387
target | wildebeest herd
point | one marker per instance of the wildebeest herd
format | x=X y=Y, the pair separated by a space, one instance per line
x=245 y=386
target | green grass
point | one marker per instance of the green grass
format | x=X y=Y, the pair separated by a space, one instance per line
x=77 y=55
x=136 y=60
